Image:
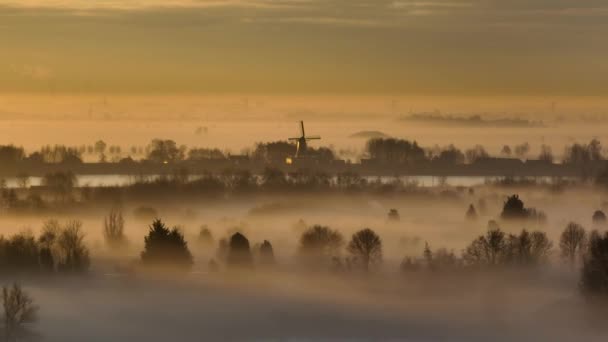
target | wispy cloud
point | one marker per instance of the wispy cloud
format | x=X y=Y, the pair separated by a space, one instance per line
x=147 y=4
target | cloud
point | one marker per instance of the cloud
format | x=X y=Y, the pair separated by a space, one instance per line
x=143 y=5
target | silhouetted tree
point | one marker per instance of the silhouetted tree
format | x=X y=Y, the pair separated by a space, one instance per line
x=18 y=309
x=61 y=183
x=266 y=253
x=320 y=242
x=274 y=152
x=239 y=252
x=100 y=149
x=427 y=254
x=476 y=153
x=513 y=208
x=471 y=213
x=572 y=242
x=165 y=151
x=205 y=237
x=583 y=153
x=165 y=247
x=390 y=150
x=594 y=275
x=19 y=253
x=366 y=247
x=599 y=217
x=506 y=151
x=74 y=255
x=393 y=215
x=450 y=156
x=488 y=249
x=113 y=229
x=528 y=248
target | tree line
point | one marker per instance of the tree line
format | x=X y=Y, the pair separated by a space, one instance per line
x=385 y=150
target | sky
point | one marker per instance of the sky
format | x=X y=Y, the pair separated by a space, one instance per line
x=449 y=47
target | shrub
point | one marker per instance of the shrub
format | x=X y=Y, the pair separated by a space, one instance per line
x=19 y=309
x=113 y=229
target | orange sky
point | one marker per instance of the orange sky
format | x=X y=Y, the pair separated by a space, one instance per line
x=482 y=47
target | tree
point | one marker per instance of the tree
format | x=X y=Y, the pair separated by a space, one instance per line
x=488 y=249
x=113 y=229
x=266 y=253
x=393 y=215
x=61 y=182
x=476 y=153
x=572 y=242
x=528 y=248
x=74 y=255
x=19 y=253
x=366 y=247
x=513 y=208
x=239 y=252
x=164 y=247
x=100 y=149
x=205 y=237
x=471 y=213
x=599 y=218
x=19 y=310
x=594 y=275
x=395 y=151
x=165 y=151
x=320 y=243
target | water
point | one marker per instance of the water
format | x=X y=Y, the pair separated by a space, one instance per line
x=123 y=180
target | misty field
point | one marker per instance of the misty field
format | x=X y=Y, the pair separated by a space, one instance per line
x=117 y=299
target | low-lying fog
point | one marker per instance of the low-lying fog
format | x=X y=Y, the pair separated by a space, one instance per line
x=288 y=303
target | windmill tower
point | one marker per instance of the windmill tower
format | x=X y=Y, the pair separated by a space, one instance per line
x=301 y=142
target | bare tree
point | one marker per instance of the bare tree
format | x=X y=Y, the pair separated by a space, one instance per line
x=113 y=229
x=74 y=255
x=19 y=309
x=572 y=242
x=366 y=246
x=320 y=243
x=486 y=250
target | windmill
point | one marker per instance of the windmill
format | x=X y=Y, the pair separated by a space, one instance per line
x=301 y=142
